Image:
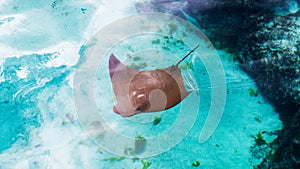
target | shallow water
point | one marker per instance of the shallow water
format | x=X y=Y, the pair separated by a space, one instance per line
x=43 y=44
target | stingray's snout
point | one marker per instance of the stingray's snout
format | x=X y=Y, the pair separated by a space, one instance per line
x=116 y=110
x=122 y=113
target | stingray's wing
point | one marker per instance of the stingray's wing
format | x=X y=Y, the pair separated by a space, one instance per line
x=121 y=76
x=117 y=68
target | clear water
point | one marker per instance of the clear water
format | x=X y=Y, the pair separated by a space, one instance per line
x=42 y=44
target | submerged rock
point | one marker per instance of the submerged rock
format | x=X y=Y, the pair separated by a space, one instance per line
x=270 y=54
x=285 y=150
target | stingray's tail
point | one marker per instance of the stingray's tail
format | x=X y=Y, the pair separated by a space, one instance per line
x=187 y=55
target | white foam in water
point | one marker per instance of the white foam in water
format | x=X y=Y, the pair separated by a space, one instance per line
x=107 y=12
x=61 y=143
x=22 y=73
x=66 y=53
x=14 y=26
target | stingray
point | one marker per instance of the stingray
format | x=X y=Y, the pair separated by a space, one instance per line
x=138 y=91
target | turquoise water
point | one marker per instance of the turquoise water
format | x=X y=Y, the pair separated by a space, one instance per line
x=43 y=43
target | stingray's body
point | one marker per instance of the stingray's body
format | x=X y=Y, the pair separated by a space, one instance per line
x=145 y=91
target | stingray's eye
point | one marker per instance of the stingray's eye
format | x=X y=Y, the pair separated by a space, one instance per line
x=143 y=107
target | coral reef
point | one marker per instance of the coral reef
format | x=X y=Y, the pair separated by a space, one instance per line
x=270 y=55
x=268 y=50
x=284 y=152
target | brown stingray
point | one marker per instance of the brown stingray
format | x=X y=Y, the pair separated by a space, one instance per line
x=146 y=91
